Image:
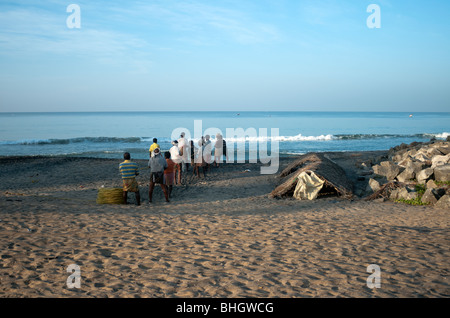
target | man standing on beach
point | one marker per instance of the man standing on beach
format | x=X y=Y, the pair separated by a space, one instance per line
x=153 y=146
x=157 y=164
x=183 y=147
x=129 y=171
x=176 y=157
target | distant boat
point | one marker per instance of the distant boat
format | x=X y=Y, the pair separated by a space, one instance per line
x=410 y=115
x=238 y=114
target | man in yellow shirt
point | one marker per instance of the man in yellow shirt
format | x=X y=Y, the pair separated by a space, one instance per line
x=154 y=145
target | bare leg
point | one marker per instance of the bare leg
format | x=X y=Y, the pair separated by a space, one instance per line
x=138 y=198
x=150 y=191
x=164 y=188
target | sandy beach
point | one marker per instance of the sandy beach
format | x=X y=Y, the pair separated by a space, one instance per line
x=219 y=237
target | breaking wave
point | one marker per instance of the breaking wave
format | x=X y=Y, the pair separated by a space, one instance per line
x=296 y=138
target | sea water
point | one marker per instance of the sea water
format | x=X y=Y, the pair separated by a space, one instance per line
x=109 y=134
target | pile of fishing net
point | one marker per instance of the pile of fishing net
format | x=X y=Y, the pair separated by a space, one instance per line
x=110 y=196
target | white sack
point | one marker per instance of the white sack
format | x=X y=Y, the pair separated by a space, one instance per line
x=308 y=186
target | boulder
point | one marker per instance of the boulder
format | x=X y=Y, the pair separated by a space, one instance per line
x=406 y=175
x=423 y=175
x=420 y=156
x=400 y=155
x=431 y=152
x=387 y=169
x=404 y=194
x=412 y=152
x=373 y=186
x=431 y=196
x=365 y=169
x=415 y=166
x=431 y=184
x=394 y=194
x=405 y=160
x=444 y=149
x=442 y=173
x=440 y=160
x=443 y=202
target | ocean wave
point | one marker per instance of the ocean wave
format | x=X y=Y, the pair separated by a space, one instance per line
x=391 y=136
x=234 y=139
x=72 y=141
x=298 y=137
x=444 y=135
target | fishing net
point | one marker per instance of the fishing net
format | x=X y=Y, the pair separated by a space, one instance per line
x=110 y=196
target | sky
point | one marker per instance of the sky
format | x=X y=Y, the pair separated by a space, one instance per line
x=224 y=55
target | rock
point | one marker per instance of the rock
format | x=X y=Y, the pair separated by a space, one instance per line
x=387 y=169
x=443 y=202
x=442 y=173
x=412 y=152
x=405 y=160
x=430 y=196
x=404 y=194
x=431 y=152
x=365 y=169
x=440 y=160
x=448 y=138
x=444 y=149
x=406 y=175
x=414 y=143
x=424 y=175
x=431 y=184
x=421 y=157
x=373 y=186
x=399 y=156
x=415 y=166
x=381 y=179
x=394 y=194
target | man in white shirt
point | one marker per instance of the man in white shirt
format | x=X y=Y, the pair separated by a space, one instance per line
x=176 y=157
x=184 y=151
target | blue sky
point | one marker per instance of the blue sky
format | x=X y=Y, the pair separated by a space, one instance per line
x=312 y=55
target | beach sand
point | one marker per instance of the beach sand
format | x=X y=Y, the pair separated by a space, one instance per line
x=219 y=237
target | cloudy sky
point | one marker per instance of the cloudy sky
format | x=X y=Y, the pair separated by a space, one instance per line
x=303 y=55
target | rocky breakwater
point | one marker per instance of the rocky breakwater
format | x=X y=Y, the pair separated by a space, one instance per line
x=418 y=173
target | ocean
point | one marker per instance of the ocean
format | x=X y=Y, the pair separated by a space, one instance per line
x=109 y=134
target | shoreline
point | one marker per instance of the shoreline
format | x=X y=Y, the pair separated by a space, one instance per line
x=219 y=237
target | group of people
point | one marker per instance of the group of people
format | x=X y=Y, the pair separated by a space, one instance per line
x=167 y=170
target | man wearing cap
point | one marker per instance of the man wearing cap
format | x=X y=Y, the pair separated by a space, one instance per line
x=157 y=164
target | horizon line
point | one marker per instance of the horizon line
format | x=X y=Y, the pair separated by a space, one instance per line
x=218 y=111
